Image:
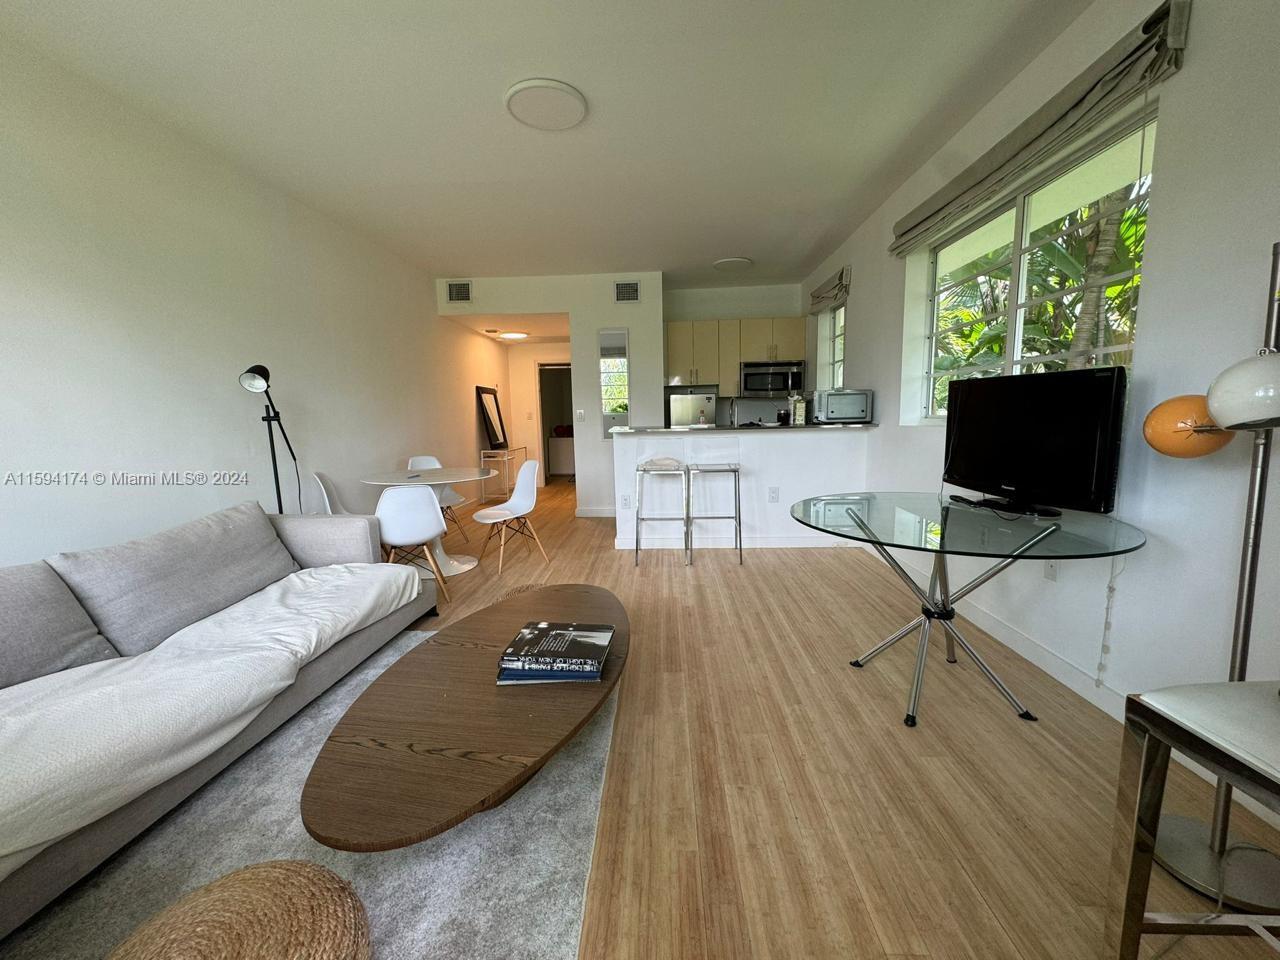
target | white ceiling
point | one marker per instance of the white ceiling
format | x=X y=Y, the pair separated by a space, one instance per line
x=541 y=327
x=716 y=128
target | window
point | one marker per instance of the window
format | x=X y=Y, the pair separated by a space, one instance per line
x=831 y=348
x=1050 y=281
x=837 y=347
x=615 y=386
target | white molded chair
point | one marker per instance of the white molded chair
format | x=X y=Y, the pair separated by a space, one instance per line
x=409 y=518
x=449 y=497
x=329 y=494
x=512 y=518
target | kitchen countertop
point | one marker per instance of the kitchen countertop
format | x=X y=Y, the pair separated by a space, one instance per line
x=768 y=429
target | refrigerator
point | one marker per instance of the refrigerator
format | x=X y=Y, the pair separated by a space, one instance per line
x=688 y=409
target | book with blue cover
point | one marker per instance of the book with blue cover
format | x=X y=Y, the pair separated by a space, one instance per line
x=545 y=652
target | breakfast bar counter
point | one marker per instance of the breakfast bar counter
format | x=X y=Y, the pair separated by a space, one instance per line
x=779 y=465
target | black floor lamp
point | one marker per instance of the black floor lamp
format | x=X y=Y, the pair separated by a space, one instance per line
x=257 y=379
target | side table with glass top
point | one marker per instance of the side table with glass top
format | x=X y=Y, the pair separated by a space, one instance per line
x=934 y=524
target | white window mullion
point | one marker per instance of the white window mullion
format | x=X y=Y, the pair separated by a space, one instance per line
x=1017 y=283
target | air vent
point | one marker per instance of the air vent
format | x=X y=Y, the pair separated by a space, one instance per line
x=459 y=291
x=627 y=291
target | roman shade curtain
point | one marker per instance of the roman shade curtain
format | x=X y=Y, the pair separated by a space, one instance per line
x=832 y=293
x=1145 y=56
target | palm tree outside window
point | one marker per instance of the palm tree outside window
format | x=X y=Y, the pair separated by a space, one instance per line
x=1050 y=281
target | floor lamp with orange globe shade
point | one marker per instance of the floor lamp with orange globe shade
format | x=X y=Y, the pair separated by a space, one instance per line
x=1245 y=396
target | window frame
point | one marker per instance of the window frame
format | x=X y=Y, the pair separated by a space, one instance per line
x=836 y=356
x=1016 y=200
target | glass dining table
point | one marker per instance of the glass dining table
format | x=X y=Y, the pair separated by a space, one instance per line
x=932 y=523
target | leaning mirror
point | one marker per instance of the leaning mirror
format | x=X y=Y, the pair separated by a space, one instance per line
x=615 y=389
x=491 y=416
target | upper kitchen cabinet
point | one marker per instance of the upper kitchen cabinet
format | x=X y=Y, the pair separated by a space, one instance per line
x=756 y=337
x=789 y=338
x=706 y=352
x=730 y=352
x=693 y=352
x=777 y=338
x=679 y=335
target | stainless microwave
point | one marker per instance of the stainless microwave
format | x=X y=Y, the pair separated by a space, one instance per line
x=843 y=406
x=772 y=380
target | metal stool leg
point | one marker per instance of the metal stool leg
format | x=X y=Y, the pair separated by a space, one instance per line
x=737 y=511
x=688 y=517
x=639 y=512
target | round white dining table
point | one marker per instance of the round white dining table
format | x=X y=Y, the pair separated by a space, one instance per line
x=450 y=564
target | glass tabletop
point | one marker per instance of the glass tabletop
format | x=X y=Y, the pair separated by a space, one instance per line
x=933 y=523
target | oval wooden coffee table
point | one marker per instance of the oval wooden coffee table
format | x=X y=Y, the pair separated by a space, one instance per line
x=435 y=740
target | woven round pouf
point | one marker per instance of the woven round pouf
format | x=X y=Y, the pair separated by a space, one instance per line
x=280 y=910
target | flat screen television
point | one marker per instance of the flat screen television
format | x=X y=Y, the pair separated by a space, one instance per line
x=1037 y=441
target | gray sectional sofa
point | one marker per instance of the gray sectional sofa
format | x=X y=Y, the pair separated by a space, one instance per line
x=82 y=608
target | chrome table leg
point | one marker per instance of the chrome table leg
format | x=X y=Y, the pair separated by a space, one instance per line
x=939 y=604
x=990 y=674
x=884 y=645
x=921 y=652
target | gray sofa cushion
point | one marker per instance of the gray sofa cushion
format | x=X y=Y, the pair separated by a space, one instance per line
x=42 y=627
x=142 y=592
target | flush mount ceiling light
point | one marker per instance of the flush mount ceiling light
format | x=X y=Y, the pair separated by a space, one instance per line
x=512 y=335
x=546 y=104
x=733 y=264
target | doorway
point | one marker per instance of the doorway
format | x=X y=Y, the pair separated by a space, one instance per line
x=555 y=407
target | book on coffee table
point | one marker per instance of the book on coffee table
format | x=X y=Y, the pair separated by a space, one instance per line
x=545 y=652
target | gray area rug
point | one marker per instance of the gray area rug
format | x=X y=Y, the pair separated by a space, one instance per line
x=508 y=883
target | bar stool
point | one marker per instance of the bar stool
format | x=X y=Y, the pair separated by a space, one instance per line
x=665 y=467
x=736 y=516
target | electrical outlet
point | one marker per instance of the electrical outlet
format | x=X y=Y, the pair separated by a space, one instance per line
x=773 y=494
x=580 y=416
x=626 y=501
x=1051 y=570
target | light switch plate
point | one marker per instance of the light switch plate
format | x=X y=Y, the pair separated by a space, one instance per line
x=580 y=416
x=773 y=494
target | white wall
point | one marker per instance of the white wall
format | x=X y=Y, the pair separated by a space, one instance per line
x=1214 y=216
x=732 y=303
x=140 y=274
x=588 y=300
x=524 y=417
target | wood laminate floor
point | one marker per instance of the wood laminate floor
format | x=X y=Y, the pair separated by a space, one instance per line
x=764 y=799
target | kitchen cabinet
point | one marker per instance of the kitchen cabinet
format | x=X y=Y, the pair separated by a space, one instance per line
x=756 y=339
x=730 y=352
x=789 y=335
x=679 y=352
x=706 y=352
x=692 y=352
x=773 y=338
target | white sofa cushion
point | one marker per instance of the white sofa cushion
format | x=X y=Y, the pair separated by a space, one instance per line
x=76 y=745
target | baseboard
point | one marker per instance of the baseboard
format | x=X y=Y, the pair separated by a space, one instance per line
x=596 y=512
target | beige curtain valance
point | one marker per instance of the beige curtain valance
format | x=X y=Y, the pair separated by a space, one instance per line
x=1145 y=56
x=832 y=293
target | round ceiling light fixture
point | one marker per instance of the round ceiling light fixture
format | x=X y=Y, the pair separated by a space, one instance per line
x=733 y=264
x=512 y=335
x=546 y=104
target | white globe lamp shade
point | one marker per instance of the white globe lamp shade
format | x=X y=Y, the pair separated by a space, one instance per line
x=1246 y=396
